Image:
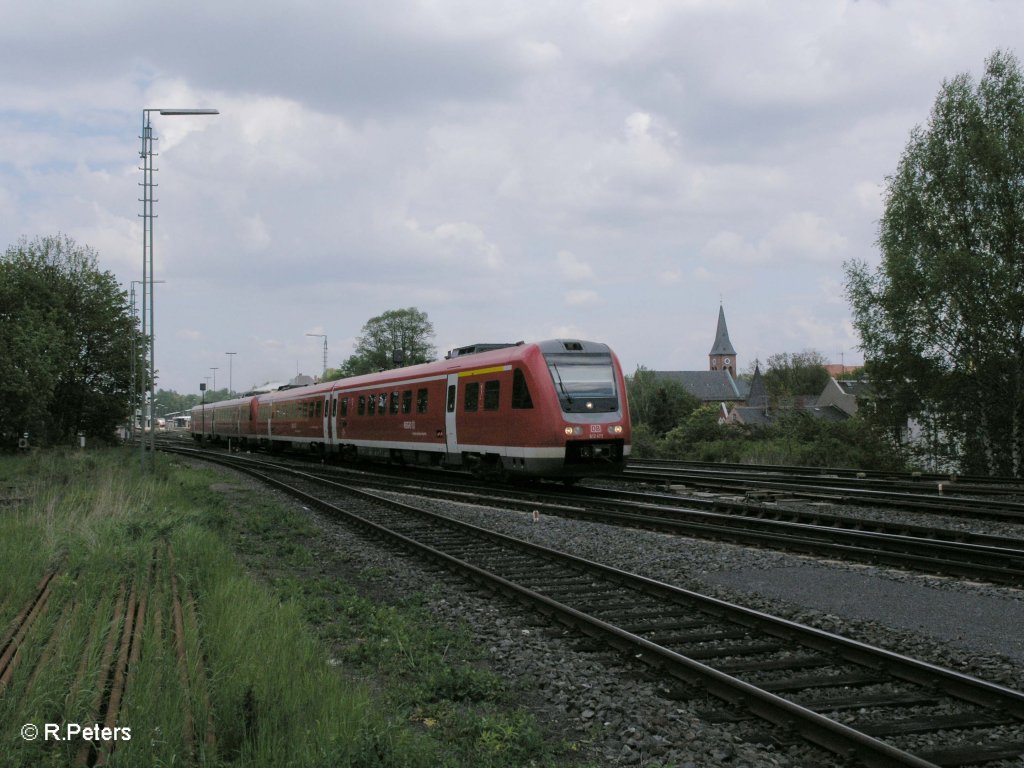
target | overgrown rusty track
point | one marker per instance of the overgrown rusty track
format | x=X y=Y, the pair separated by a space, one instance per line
x=118 y=629
x=860 y=702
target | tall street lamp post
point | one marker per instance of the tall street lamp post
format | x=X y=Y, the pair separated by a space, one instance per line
x=147 y=156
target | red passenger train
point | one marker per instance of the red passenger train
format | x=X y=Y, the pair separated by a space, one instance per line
x=549 y=409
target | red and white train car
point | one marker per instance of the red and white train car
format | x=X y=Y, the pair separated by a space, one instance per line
x=549 y=409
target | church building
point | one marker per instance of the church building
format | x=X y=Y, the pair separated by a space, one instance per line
x=718 y=384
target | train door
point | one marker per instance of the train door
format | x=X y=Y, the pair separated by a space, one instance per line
x=450 y=434
x=328 y=432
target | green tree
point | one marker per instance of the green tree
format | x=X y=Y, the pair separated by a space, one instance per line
x=790 y=375
x=941 y=320
x=658 y=402
x=408 y=331
x=66 y=334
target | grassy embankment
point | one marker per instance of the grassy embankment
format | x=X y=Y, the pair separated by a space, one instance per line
x=204 y=604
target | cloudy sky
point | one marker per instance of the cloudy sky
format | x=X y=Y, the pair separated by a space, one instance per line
x=517 y=170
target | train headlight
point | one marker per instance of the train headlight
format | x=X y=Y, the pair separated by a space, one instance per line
x=616 y=430
x=568 y=431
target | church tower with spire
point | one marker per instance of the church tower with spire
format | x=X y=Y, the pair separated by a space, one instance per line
x=722 y=356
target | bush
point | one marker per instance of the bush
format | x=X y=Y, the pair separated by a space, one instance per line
x=796 y=438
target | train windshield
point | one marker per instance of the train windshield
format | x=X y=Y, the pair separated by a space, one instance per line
x=584 y=383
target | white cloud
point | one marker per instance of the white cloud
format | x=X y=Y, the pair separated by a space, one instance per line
x=805 y=234
x=459 y=242
x=732 y=247
x=581 y=297
x=671 y=276
x=798 y=237
x=366 y=160
x=868 y=195
x=702 y=274
x=539 y=53
x=572 y=267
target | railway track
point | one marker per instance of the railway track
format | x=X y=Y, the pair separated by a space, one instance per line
x=942 y=499
x=936 y=551
x=106 y=673
x=924 y=482
x=861 y=703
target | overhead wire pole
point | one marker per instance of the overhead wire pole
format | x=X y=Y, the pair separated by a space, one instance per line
x=135 y=354
x=149 y=377
x=231 y=358
x=324 y=337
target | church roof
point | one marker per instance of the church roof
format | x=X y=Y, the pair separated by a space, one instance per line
x=722 y=345
x=746 y=414
x=757 y=394
x=709 y=386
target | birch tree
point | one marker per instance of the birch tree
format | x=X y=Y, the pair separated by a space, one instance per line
x=941 y=319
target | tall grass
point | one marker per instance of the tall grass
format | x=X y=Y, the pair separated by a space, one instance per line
x=271 y=668
x=254 y=671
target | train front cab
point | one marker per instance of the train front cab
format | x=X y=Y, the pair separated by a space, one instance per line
x=590 y=397
x=555 y=409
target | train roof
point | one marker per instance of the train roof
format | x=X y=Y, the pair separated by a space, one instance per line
x=480 y=354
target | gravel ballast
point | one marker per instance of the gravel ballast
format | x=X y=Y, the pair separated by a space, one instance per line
x=623 y=714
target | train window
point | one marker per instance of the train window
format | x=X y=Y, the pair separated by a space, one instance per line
x=334 y=407
x=395 y=396
x=471 y=400
x=451 y=398
x=520 y=391
x=492 y=392
x=421 y=401
x=362 y=404
x=344 y=406
x=382 y=403
x=407 y=401
x=371 y=404
x=319 y=409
